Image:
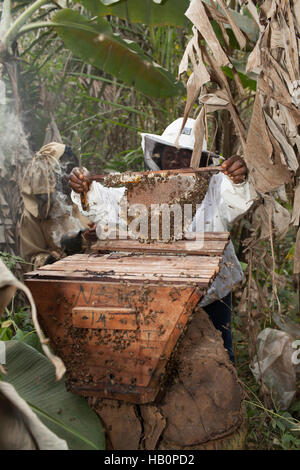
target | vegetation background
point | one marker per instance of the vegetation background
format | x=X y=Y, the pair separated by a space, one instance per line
x=56 y=84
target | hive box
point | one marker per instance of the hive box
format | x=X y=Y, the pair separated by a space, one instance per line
x=115 y=316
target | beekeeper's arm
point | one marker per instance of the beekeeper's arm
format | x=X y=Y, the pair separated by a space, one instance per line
x=103 y=202
x=232 y=192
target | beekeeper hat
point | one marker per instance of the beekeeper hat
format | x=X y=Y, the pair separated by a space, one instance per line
x=168 y=137
x=53 y=149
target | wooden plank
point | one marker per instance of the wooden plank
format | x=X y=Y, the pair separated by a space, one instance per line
x=147 y=261
x=106 y=318
x=197 y=247
x=150 y=267
x=177 y=269
x=131 y=176
x=117 y=278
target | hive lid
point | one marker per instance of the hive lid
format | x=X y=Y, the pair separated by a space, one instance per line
x=181 y=262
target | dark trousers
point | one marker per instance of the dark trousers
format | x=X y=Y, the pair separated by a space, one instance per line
x=220 y=314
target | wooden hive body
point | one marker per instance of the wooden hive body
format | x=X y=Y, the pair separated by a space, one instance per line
x=115 y=316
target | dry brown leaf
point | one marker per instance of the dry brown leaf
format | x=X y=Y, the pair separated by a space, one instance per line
x=280 y=70
x=217 y=16
x=239 y=126
x=277 y=37
x=267 y=9
x=280 y=193
x=289 y=123
x=279 y=215
x=236 y=30
x=8 y=280
x=265 y=175
x=214 y=101
x=254 y=60
x=286 y=34
x=196 y=13
x=296 y=206
x=184 y=63
x=238 y=82
x=296 y=14
x=297 y=254
x=281 y=218
x=218 y=75
x=197 y=79
x=199 y=138
x=291 y=159
x=252 y=10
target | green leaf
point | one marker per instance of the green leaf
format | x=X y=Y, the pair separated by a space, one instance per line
x=94 y=42
x=246 y=81
x=244 y=266
x=6 y=324
x=5 y=334
x=167 y=13
x=67 y=415
x=287 y=440
x=246 y=24
x=31 y=338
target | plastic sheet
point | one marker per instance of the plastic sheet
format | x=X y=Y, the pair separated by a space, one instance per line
x=274 y=365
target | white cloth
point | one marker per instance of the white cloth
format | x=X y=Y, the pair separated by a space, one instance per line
x=223 y=204
x=103 y=206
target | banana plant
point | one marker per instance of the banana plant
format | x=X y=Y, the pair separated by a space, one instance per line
x=164 y=13
x=94 y=42
x=148 y=12
x=98 y=44
x=66 y=415
x=159 y=13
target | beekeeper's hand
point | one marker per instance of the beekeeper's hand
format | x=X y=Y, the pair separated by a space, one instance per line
x=90 y=234
x=79 y=180
x=235 y=167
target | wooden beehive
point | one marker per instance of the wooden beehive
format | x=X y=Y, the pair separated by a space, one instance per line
x=116 y=315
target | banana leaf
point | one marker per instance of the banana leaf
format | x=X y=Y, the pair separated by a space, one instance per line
x=65 y=414
x=168 y=13
x=94 y=42
x=164 y=13
x=246 y=81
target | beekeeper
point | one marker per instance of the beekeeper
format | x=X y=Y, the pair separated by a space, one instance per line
x=49 y=214
x=227 y=198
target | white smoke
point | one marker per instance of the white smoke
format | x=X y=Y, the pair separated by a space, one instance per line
x=14 y=148
x=66 y=223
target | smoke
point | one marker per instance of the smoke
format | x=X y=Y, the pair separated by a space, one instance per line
x=14 y=156
x=64 y=220
x=14 y=148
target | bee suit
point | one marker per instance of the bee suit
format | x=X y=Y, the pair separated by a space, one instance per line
x=48 y=212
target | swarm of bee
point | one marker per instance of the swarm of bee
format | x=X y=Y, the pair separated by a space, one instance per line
x=158 y=191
